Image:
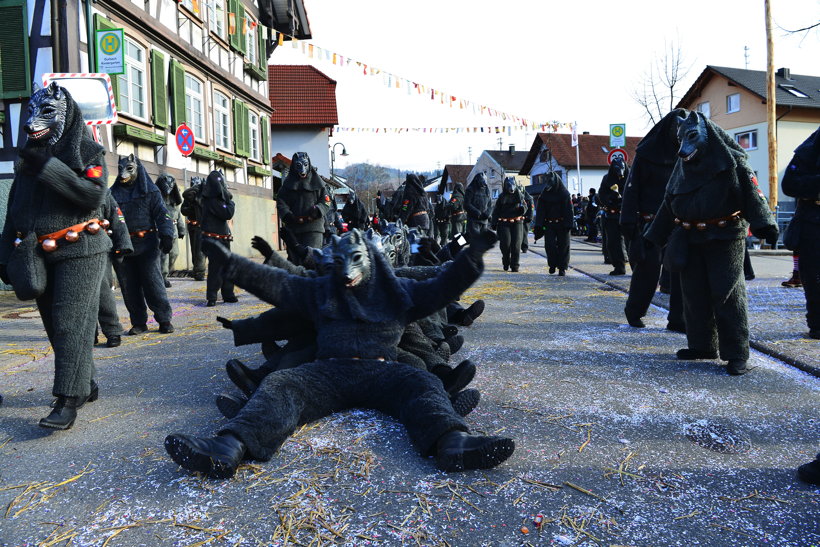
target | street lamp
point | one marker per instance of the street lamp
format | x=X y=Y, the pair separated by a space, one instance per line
x=333 y=155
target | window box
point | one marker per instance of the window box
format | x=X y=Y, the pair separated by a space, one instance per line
x=139 y=134
x=205 y=153
x=256 y=72
x=233 y=162
x=259 y=171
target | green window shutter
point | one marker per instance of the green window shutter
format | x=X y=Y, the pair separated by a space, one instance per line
x=233 y=37
x=239 y=129
x=101 y=23
x=177 y=93
x=14 y=59
x=263 y=132
x=159 y=91
x=247 y=130
x=263 y=59
x=240 y=26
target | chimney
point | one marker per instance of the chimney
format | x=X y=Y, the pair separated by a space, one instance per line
x=784 y=73
x=585 y=133
x=512 y=149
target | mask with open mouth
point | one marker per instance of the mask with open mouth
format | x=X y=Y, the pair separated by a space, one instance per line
x=127 y=170
x=47 y=112
x=351 y=259
x=692 y=136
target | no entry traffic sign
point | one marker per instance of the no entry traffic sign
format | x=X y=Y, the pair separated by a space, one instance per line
x=617 y=152
x=185 y=140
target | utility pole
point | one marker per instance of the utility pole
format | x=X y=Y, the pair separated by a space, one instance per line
x=470 y=154
x=746 y=57
x=500 y=142
x=771 y=106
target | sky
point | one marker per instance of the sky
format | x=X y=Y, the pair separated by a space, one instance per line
x=543 y=61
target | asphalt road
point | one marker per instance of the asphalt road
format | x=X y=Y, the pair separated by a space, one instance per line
x=606 y=422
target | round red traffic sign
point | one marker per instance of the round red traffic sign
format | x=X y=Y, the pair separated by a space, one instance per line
x=617 y=152
x=184 y=139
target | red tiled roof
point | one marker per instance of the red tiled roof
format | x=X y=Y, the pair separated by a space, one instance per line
x=590 y=152
x=301 y=95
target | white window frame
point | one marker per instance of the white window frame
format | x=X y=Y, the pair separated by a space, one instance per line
x=217 y=18
x=752 y=134
x=705 y=108
x=254 y=136
x=731 y=107
x=133 y=81
x=189 y=5
x=251 y=43
x=195 y=116
x=222 y=120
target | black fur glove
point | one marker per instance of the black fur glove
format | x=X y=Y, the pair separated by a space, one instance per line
x=315 y=212
x=35 y=158
x=767 y=233
x=166 y=243
x=227 y=323
x=4 y=277
x=216 y=252
x=262 y=246
x=482 y=243
x=538 y=232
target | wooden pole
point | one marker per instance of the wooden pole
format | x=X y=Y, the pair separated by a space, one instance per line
x=771 y=106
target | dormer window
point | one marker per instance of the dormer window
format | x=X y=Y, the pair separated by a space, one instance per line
x=793 y=90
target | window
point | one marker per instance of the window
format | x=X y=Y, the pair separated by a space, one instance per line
x=793 y=90
x=251 y=42
x=733 y=103
x=222 y=123
x=747 y=140
x=216 y=18
x=15 y=72
x=705 y=109
x=253 y=123
x=131 y=83
x=194 y=106
x=191 y=5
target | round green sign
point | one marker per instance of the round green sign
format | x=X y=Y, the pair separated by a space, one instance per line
x=617 y=131
x=110 y=43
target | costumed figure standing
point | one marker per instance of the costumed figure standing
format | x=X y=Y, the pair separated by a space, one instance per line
x=441 y=214
x=711 y=200
x=610 y=195
x=152 y=233
x=360 y=310
x=553 y=221
x=192 y=211
x=802 y=181
x=303 y=203
x=457 y=214
x=508 y=220
x=478 y=205
x=654 y=159
x=54 y=246
x=413 y=207
x=525 y=229
x=108 y=317
x=173 y=199
x=355 y=213
x=217 y=209
x=591 y=216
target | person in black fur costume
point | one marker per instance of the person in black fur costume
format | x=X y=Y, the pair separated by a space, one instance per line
x=191 y=209
x=711 y=201
x=412 y=209
x=217 y=209
x=553 y=221
x=152 y=233
x=801 y=180
x=360 y=310
x=654 y=159
x=355 y=213
x=478 y=205
x=528 y=214
x=173 y=199
x=610 y=196
x=108 y=317
x=303 y=203
x=508 y=220
x=60 y=183
x=458 y=216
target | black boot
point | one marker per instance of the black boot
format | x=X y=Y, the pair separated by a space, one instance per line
x=230 y=405
x=449 y=330
x=676 y=327
x=459 y=451
x=465 y=401
x=138 y=329
x=810 y=472
x=688 y=354
x=113 y=341
x=243 y=377
x=634 y=321
x=93 y=395
x=737 y=367
x=166 y=327
x=455 y=343
x=561 y=272
x=217 y=457
x=472 y=312
x=64 y=413
x=455 y=379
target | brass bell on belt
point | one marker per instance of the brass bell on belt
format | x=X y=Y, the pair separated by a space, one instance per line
x=71 y=236
x=686 y=225
x=701 y=226
x=49 y=245
x=92 y=227
x=104 y=223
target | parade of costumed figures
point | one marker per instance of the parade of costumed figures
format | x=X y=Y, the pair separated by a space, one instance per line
x=54 y=247
x=218 y=208
x=360 y=310
x=478 y=205
x=173 y=200
x=801 y=180
x=711 y=201
x=412 y=209
x=108 y=317
x=655 y=157
x=508 y=221
x=610 y=195
x=152 y=234
x=553 y=222
x=355 y=213
x=303 y=203
x=191 y=209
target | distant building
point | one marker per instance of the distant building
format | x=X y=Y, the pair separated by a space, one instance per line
x=453 y=174
x=735 y=99
x=556 y=150
x=497 y=165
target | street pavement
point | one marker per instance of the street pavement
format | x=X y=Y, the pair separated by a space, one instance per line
x=617 y=443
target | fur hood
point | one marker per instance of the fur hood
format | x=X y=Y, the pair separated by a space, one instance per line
x=660 y=145
x=311 y=182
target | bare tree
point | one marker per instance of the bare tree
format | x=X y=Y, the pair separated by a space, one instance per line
x=656 y=91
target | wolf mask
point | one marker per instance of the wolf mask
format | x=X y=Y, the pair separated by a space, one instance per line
x=351 y=259
x=692 y=136
x=47 y=114
x=127 y=170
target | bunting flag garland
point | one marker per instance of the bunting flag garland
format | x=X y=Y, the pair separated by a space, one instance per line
x=392 y=80
x=497 y=129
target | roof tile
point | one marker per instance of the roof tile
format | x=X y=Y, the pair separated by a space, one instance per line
x=301 y=95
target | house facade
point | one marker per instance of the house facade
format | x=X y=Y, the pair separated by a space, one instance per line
x=497 y=165
x=735 y=99
x=199 y=63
